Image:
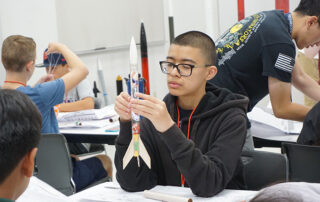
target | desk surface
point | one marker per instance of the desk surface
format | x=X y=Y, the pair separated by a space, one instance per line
x=91 y=135
x=39 y=191
x=268 y=136
x=263 y=135
x=110 y=191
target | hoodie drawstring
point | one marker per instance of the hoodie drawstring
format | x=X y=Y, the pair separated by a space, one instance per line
x=189 y=123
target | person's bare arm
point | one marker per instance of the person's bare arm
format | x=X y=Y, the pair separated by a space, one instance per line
x=85 y=103
x=280 y=97
x=78 y=69
x=305 y=83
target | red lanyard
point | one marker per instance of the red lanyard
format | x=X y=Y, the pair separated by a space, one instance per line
x=16 y=82
x=178 y=123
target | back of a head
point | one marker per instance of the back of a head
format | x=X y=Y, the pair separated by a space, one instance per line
x=20 y=129
x=283 y=192
x=309 y=8
x=199 y=40
x=17 y=51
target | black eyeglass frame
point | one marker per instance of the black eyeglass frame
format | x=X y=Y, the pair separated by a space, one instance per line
x=177 y=66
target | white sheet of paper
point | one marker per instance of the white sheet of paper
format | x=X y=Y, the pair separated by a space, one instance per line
x=287 y=126
x=108 y=192
x=111 y=191
x=39 y=191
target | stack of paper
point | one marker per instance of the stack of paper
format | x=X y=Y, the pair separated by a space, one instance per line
x=94 y=118
x=86 y=115
x=287 y=126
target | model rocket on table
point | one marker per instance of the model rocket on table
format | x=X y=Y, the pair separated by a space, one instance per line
x=136 y=147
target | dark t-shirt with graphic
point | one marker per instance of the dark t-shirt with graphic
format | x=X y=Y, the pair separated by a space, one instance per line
x=255 y=48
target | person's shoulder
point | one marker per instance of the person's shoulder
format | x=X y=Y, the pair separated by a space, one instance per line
x=275 y=20
x=50 y=84
x=50 y=89
x=28 y=90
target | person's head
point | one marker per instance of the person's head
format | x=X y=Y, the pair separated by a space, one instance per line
x=195 y=54
x=19 y=54
x=55 y=64
x=284 y=192
x=309 y=32
x=20 y=130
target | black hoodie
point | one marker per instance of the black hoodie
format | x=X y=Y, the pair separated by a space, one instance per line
x=209 y=161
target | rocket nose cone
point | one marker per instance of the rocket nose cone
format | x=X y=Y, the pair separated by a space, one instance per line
x=133 y=52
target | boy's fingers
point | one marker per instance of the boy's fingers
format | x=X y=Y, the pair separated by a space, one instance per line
x=146 y=103
x=147 y=97
x=125 y=96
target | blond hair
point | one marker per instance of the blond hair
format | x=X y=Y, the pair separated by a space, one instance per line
x=17 y=51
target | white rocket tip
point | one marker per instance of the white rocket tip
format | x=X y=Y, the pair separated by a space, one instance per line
x=133 y=53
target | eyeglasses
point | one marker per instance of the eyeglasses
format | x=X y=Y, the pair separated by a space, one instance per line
x=183 y=69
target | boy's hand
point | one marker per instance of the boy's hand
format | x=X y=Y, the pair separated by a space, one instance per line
x=46 y=78
x=122 y=106
x=54 y=47
x=153 y=109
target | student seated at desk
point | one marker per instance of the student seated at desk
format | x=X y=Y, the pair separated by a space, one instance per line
x=20 y=130
x=195 y=135
x=78 y=98
x=18 y=58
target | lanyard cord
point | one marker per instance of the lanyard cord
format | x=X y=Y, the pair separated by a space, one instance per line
x=188 y=136
x=16 y=82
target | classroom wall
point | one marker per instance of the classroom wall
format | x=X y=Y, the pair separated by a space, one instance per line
x=32 y=18
x=37 y=19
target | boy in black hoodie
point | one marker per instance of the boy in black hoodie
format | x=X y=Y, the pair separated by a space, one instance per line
x=195 y=135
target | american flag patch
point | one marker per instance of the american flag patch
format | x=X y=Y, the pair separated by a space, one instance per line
x=284 y=63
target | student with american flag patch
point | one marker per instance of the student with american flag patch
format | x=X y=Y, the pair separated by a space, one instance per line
x=256 y=57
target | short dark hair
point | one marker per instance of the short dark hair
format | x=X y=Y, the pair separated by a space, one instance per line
x=199 y=40
x=309 y=7
x=17 y=51
x=20 y=129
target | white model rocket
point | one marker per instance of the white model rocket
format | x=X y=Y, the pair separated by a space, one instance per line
x=136 y=147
